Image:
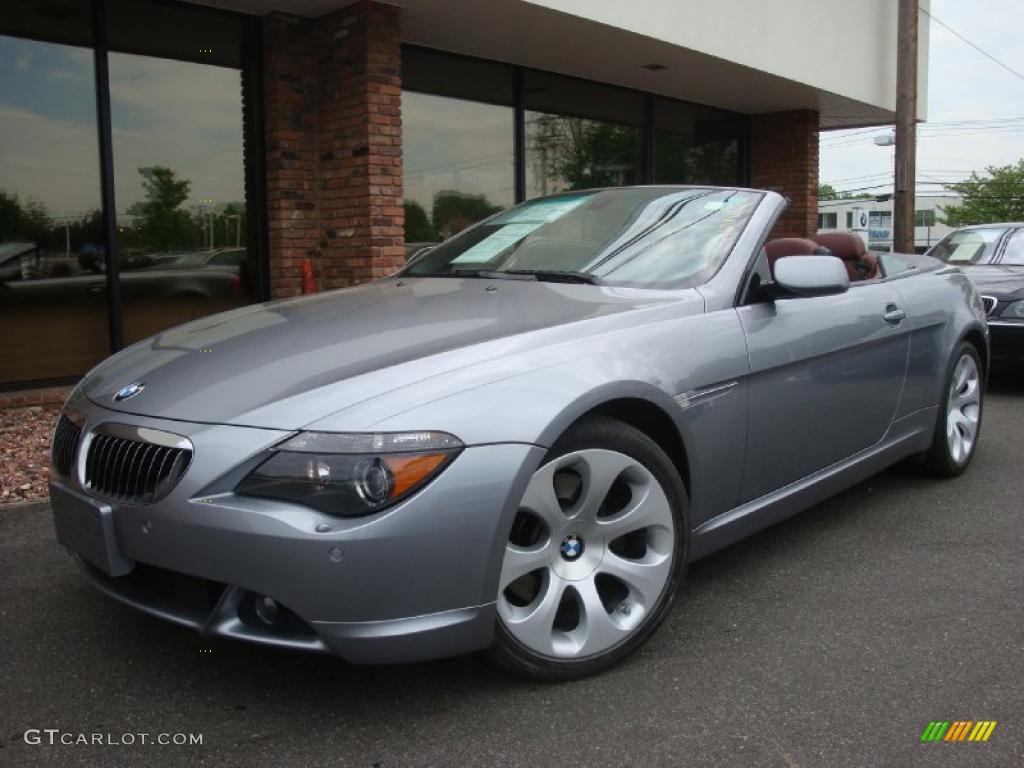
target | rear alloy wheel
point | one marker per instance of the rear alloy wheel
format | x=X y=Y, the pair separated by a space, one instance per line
x=959 y=420
x=594 y=556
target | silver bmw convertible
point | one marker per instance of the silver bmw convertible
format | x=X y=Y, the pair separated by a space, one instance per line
x=519 y=442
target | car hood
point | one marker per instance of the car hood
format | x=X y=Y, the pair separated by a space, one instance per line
x=998 y=280
x=287 y=363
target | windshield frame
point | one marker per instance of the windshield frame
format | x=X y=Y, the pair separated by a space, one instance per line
x=753 y=197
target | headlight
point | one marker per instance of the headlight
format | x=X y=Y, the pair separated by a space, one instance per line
x=1014 y=311
x=351 y=474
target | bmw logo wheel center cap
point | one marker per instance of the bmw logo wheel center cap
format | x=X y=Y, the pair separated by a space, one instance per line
x=575 y=556
x=571 y=547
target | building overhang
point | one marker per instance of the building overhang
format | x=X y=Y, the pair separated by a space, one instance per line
x=743 y=55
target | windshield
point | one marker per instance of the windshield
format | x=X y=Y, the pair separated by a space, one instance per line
x=643 y=236
x=967 y=246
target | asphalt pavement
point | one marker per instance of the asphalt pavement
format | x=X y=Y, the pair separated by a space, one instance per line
x=832 y=639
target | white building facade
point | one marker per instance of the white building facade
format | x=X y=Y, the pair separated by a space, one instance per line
x=872 y=220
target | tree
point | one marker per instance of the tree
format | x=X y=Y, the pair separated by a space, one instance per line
x=417 y=226
x=11 y=217
x=162 y=224
x=30 y=221
x=454 y=211
x=37 y=225
x=1000 y=197
x=577 y=153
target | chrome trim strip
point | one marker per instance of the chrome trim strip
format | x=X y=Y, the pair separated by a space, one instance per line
x=1007 y=324
x=698 y=396
x=989 y=309
x=142 y=434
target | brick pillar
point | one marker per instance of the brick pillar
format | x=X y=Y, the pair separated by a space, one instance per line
x=360 y=127
x=290 y=93
x=334 y=146
x=784 y=158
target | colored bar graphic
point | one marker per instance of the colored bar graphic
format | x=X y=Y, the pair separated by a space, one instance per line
x=958 y=730
x=935 y=730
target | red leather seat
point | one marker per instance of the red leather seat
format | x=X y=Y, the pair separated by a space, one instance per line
x=789 y=246
x=860 y=263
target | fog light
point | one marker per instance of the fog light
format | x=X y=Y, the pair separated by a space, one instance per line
x=268 y=611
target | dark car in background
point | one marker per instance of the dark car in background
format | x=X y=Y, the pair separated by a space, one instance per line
x=992 y=256
x=52 y=300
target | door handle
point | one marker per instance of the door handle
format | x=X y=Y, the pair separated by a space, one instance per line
x=894 y=315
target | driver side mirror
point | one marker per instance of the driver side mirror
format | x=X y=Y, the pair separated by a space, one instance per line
x=809 y=276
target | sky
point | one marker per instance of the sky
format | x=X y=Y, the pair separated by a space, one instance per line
x=963 y=85
x=459 y=145
x=187 y=117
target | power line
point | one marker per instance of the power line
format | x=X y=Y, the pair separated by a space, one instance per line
x=984 y=123
x=888 y=175
x=940 y=133
x=978 y=48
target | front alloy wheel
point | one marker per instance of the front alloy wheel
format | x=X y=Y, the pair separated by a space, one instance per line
x=594 y=554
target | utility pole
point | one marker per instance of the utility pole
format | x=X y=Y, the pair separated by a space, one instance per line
x=906 y=127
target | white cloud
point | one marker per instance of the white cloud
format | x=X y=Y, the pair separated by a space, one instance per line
x=60 y=73
x=187 y=117
x=53 y=161
x=454 y=144
x=183 y=116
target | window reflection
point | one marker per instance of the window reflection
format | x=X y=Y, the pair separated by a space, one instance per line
x=695 y=144
x=458 y=165
x=580 y=134
x=53 y=312
x=179 y=186
x=567 y=153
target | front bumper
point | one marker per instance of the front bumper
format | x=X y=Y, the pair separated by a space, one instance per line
x=1007 y=343
x=416 y=581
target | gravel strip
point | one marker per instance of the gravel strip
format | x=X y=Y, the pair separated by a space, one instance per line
x=24 y=452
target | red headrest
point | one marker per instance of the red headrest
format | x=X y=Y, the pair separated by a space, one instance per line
x=845 y=245
x=788 y=246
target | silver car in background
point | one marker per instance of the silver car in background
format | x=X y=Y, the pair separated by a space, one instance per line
x=519 y=442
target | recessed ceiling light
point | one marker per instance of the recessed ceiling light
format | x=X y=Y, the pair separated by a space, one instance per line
x=653 y=67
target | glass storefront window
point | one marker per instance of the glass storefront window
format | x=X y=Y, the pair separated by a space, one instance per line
x=458 y=160
x=182 y=228
x=176 y=97
x=567 y=153
x=179 y=183
x=53 y=309
x=580 y=134
x=695 y=144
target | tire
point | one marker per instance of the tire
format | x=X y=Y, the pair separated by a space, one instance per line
x=595 y=556
x=958 y=424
